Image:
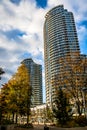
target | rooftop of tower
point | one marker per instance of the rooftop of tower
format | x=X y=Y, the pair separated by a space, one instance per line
x=30 y=60
x=51 y=10
x=27 y=59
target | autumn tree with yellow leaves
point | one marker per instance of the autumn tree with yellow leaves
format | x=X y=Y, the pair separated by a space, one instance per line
x=72 y=78
x=18 y=96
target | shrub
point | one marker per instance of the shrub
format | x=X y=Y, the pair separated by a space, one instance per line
x=81 y=120
x=72 y=123
x=29 y=125
x=6 y=122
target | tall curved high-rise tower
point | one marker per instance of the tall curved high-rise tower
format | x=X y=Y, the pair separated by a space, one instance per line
x=60 y=45
x=35 y=72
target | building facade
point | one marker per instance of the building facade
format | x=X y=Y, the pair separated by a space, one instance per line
x=39 y=114
x=35 y=72
x=61 y=47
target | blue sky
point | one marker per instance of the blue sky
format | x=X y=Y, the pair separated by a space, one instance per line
x=21 y=31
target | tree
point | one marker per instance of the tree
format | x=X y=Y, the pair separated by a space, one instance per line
x=61 y=107
x=1 y=72
x=77 y=80
x=23 y=91
x=49 y=113
x=3 y=101
x=18 y=99
x=73 y=77
x=24 y=96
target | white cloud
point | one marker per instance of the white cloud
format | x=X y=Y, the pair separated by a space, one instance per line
x=78 y=7
x=82 y=30
x=26 y=17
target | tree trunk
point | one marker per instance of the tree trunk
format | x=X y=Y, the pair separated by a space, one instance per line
x=27 y=115
x=16 y=118
x=13 y=117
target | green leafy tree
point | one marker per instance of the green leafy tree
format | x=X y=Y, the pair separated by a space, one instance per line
x=61 y=108
x=3 y=101
x=21 y=84
x=18 y=98
x=24 y=90
x=49 y=114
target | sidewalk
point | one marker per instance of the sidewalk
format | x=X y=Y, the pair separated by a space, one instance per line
x=41 y=127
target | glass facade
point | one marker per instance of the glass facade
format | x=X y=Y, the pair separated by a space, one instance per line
x=35 y=72
x=60 y=40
